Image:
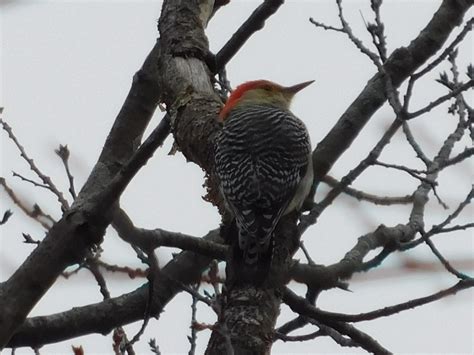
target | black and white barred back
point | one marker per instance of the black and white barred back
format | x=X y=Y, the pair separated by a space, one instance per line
x=262 y=155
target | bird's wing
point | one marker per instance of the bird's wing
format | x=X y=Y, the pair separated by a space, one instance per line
x=259 y=169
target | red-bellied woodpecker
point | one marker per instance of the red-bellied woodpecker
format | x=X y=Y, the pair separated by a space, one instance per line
x=263 y=161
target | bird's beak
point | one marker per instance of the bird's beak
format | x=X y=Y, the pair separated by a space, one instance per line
x=298 y=87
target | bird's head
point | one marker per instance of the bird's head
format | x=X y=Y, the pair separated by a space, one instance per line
x=261 y=92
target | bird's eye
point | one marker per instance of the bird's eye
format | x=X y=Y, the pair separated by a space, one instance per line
x=267 y=88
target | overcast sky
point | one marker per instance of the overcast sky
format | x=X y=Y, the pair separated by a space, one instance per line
x=66 y=67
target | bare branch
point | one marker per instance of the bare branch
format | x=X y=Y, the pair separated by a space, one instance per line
x=152 y=277
x=80 y=227
x=455 y=213
x=412 y=172
x=306 y=253
x=34 y=183
x=34 y=213
x=254 y=23
x=456 y=228
x=414 y=144
x=46 y=179
x=304 y=337
x=193 y=338
x=400 y=65
x=357 y=42
x=440 y=228
x=318 y=208
x=377 y=30
x=360 y=338
x=301 y=306
x=333 y=328
x=364 y=196
x=377 y=260
x=151 y=239
x=468 y=152
x=63 y=153
x=93 y=267
x=324 y=26
x=449 y=49
x=442 y=99
x=105 y=316
x=131 y=272
x=443 y=260
x=325 y=277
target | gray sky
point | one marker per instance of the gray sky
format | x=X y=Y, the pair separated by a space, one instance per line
x=66 y=67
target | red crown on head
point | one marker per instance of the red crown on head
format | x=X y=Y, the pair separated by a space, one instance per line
x=239 y=91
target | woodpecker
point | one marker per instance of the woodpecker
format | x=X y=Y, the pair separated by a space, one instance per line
x=262 y=160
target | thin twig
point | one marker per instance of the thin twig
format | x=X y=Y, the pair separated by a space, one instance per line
x=92 y=263
x=301 y=306
x=456 y=228
x=34 y=183
x=357 y=42
x=324 y=26
x=193 y=338
x=153 y=273
x=93 y=267
x=305 y=337
x=434 y=63
x=64 y=153
x=131 y=272
x=377 y=30
x=443 y=260
x=413 y=172
x=194 y=293
x=441 y=99
x=414 y=144
x=46 y=179
x=306 y=253
x=364 y=196
x=335 y=335
x=318 y=208
x=34 y=213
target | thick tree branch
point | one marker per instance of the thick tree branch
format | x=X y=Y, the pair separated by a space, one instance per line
x=83 y=225
x=254 y=23
x=103 y=317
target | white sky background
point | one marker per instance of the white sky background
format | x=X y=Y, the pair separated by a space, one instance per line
x=66 y=68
